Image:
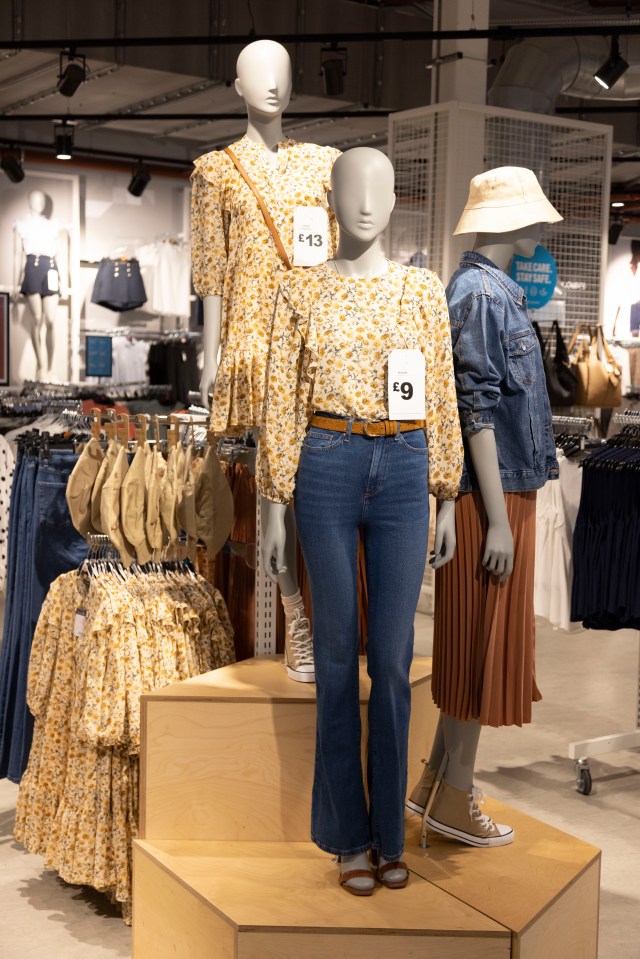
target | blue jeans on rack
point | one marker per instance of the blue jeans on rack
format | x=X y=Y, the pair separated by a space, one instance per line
x=378 y=485
x=42 y=544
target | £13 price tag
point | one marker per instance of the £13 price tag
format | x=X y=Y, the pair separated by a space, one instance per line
x=406 y=385
x=310 y=235
x=53 y=281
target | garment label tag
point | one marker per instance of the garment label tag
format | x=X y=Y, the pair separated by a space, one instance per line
x=79 y=622
x=406 y=385
x=310 y=235
x=53 y=281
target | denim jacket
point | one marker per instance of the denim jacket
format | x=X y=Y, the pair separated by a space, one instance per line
x=499 y=375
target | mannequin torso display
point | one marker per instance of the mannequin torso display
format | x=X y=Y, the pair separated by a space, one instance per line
x=38 y=239
x=483 y=661
x=335 y=326
x=235 y=259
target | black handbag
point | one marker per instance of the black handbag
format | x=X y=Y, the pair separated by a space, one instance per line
x=561 y=380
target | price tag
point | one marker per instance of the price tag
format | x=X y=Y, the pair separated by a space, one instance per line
x=310 y=235
x=53 y=281
x=79 y=622
x=406 y=369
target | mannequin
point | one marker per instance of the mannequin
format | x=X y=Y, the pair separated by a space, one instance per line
x=38 y=237
x=487 y=307
x=335 y=326
x=236 y=264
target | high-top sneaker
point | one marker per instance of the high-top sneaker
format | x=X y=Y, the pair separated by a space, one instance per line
x=417 y=801
x=456 y=813
x=298 y=649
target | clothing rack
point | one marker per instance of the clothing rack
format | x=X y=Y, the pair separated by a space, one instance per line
x=600 y=745
x=574 y=422
x=142 y=333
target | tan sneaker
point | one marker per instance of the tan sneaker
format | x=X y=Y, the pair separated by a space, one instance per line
x=298 y=649
x=417 y=801
x=457 y=814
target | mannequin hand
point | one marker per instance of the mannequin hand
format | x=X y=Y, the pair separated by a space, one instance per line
x=445 y=540
x=274 y=539
x=498 y=552
x=206 y=382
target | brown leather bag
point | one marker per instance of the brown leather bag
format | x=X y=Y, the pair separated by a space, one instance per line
x=599 y=375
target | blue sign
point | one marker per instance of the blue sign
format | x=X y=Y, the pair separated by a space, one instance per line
x=537 y=276
x=99 y=356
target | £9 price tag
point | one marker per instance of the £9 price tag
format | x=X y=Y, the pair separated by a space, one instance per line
x=310 y=235
x=406 y=385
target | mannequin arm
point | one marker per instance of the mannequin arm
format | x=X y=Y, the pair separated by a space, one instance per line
x=274 y=537
x=17 y=264
x=212 y=306
x=445 y=539
x=498 y=553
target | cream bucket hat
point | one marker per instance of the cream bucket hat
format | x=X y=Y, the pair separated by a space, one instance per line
x=507 y=198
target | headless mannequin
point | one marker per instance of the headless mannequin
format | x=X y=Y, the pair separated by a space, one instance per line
x=362 y=199
x=264 y=82
x=41 y=310
x=459 y=740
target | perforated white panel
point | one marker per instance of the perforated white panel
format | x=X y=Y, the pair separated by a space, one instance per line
x=436 y=150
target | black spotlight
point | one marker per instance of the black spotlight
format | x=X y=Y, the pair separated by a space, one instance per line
x=615 y=229
x=333 y=67
x=12 y=167
x=613 y=68
x=139 y=179
x=63 y=133
x=72 y=75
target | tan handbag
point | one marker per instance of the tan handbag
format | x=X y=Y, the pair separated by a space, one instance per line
x=599 y=375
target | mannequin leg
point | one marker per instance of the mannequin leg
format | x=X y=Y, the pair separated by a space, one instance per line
x=461 y=741
x=288 y=581
x=50 y=308
x=35 y=308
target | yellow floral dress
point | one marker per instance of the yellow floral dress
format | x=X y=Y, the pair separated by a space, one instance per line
x=331 y=339
x=78 y=799
x=234 y=256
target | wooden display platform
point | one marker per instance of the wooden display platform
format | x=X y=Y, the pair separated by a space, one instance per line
x=230 y=900
x=230 y=754
x=544 y=887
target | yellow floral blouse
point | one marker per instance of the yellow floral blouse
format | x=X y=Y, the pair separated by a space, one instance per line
x=331 y=339
x=234 y=256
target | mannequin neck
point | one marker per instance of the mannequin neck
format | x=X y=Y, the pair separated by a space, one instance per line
x=265 y=130
x=499 y=252
x=361 y=260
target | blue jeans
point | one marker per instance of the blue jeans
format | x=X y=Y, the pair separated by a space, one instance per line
x=346 y=484
x=42 y=544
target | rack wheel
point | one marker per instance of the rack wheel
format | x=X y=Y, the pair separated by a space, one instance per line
x=583 y=777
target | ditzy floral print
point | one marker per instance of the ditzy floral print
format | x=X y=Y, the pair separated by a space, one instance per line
x=234 y=256
x=78 y=799
x=332 y=336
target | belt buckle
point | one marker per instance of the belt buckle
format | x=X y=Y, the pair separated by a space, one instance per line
x=365 y=426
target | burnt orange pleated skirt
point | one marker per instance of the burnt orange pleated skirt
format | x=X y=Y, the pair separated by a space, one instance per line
x=484 y=630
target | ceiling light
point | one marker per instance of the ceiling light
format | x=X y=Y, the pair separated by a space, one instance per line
x=73 y=74
x=333 y=67
x=613 y=68
x=615 y=229
x=617 y=203
x=63 y=133
x=12 y=166
x=139 y=179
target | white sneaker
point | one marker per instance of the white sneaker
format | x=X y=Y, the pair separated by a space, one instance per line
x=298 y=649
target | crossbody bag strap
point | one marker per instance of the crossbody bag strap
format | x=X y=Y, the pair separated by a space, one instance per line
x=263 y=207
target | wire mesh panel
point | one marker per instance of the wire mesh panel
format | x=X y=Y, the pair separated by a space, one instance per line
x=436 y=150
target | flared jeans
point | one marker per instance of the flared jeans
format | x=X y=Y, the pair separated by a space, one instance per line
x=346 y=485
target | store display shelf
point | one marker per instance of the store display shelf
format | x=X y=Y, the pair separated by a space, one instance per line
x=217 y=900
x=230 y=754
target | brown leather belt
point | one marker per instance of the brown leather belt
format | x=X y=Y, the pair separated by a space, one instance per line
x=366 y=427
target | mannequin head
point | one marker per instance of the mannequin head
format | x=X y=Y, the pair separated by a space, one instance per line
x=264 y=77
x=37 y=202
x=361 y=194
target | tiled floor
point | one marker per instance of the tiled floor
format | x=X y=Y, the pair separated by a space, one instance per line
x=590 y=686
